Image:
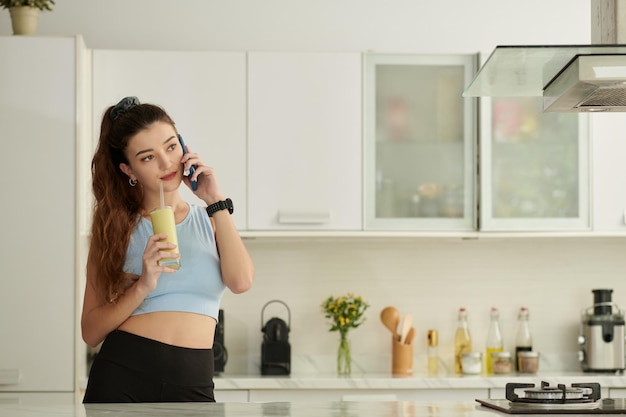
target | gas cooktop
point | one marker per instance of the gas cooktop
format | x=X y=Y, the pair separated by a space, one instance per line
x=583 y=398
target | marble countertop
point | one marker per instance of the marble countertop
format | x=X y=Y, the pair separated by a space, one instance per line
x=381 y=381
x=296 y=409
x=388 y=381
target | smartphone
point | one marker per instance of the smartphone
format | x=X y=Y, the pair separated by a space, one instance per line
x=194 y=184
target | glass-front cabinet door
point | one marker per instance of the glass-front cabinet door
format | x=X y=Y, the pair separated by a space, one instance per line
x=534 y=167
x=420 y=135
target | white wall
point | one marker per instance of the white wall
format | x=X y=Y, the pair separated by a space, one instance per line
x=429 y=278
x=327 y=25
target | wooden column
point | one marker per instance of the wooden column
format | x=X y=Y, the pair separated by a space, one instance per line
x=608 y=22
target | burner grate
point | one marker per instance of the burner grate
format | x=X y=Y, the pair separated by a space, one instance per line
x=581 y=393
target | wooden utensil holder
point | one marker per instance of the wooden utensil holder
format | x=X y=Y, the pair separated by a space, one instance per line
x=401 y=357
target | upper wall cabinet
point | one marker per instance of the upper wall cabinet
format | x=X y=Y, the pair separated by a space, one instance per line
x=420 y=135
x=534 y=167
x=304 y=141
x=203 y=92
x=422 y=161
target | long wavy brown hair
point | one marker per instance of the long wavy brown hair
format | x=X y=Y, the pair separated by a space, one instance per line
x=117 y=207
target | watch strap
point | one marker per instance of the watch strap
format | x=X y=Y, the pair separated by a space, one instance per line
x=219 y=206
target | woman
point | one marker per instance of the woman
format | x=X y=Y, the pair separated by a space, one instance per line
x=157 y=323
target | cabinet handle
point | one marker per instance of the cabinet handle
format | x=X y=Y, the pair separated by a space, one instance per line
x=9 y=376
x=303 y=217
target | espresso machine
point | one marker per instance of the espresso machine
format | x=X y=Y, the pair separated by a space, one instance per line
x=602 y=335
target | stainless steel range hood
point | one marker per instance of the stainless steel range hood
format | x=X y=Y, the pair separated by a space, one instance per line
x=570 y=78
x=588 y=83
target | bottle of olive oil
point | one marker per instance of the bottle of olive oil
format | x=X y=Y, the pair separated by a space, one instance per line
x=433 y=355
x=462 y=340
x=494 y=338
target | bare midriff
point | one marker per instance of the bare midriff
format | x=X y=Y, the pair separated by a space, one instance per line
x=188 y=330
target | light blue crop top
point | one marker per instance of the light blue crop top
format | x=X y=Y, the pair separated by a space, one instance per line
x=197 y=286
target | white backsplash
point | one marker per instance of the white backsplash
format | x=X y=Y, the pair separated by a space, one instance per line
x=430 y=279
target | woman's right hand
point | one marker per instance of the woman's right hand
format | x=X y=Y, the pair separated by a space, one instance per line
x=99 y=317
x=154 y=252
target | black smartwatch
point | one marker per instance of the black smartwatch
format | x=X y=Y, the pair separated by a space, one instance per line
x=220 y=205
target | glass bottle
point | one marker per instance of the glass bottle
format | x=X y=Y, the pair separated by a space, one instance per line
x=462 y=340
x=433 y=354
x=494 y=339
x=523 y=339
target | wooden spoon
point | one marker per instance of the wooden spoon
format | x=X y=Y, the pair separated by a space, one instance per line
x=410 y=336
x=407 y=323
x=390 y=316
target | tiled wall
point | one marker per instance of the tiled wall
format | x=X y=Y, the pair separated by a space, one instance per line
x=430 y=279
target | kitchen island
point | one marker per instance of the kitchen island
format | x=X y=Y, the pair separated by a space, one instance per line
x=274 y=409
x=362 y=401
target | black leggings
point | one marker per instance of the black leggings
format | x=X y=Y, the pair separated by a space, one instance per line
x=131 y=368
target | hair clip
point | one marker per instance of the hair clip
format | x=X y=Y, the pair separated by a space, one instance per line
x=123 y=106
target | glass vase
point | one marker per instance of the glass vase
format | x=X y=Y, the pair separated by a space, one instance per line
x=344 y=360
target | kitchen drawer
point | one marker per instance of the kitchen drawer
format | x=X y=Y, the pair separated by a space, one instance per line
x=371 y=394
x=497 y=393
x=278 y=395
x=615 y=393
x=458 y=394
x=232 y=396
x=46 y=398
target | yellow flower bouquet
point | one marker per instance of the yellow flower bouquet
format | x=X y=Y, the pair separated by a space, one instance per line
x=344 y=312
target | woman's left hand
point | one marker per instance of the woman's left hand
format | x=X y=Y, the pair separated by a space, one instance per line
x=235 y=262
x=208 y=186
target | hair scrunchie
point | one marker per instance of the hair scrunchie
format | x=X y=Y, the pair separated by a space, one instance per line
x=123 y=106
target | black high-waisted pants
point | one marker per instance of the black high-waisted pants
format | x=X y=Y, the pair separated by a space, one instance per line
x=131 y=368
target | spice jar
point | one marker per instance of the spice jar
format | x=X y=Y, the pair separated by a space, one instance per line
x=472 y=363
x=528 y=362
x=502 y=362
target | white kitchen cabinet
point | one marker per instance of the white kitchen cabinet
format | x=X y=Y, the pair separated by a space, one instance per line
x=534 y=167
x=203 y=92
x=231 y=396
x=609 y=172
x=43 y=398
x=43 y=120
x=615 y=393
x=421 y=165
x=420 y=135
x=304 y=141
x=297 y=395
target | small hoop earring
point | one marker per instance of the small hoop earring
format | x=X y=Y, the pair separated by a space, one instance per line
x=132 y=182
